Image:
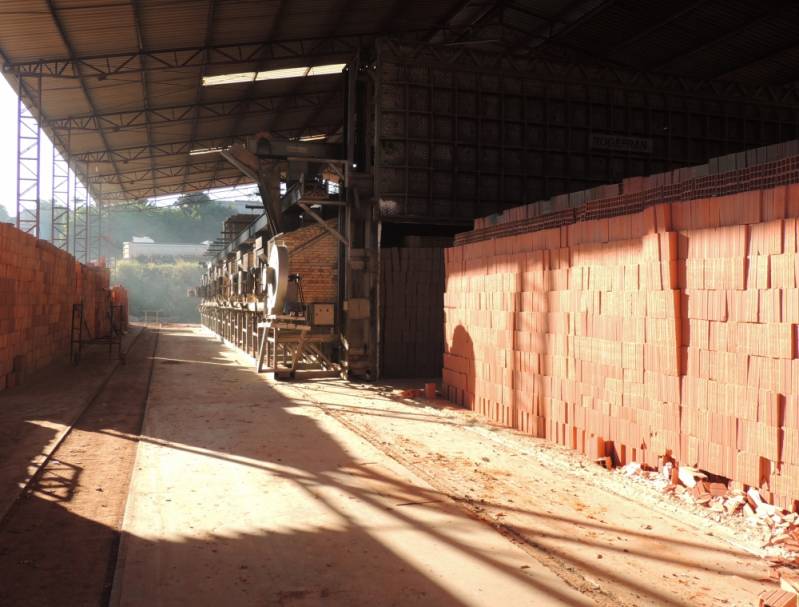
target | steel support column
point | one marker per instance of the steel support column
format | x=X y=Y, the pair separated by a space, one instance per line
x=96 y=229
x=59 y=218
x=80 y=223
x=28 y=158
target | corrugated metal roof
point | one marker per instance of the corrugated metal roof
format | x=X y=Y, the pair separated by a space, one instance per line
x=129 y=106
x=127 y=101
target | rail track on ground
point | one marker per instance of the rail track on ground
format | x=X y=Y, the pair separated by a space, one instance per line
x=49 y=456
x=69 y=510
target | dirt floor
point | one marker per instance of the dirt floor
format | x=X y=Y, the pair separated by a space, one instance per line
x=615 y=544
x=249 y=492
x=58 y=540
x=245 y=495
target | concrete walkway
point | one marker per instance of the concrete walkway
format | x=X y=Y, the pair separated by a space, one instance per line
x=243 y=495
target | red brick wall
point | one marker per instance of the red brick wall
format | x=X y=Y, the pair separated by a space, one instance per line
x=673 y=328
x=313 y=254
x=38 y=285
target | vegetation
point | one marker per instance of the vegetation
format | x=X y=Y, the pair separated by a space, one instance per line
x=160 y=286
x=194 y=219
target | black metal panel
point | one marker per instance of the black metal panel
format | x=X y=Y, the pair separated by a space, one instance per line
x=465 y=134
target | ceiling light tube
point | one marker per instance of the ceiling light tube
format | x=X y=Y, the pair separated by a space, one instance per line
x=278 y=74
x=201 y=151
x=318 y=137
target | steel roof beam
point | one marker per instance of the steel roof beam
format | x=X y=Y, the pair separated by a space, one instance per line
x=141 y=117
x=138 y=175
x=115 y=64
x=644 y=33
x=173 y=148
x=705 y=44
x=198 y=91
x=443 y=23
x=769 y=56
x=144 y=83
x=167 y=190
x=334 y=26
x=139 y=152
x=274 y=26
x=65 y=38
x=571 y=18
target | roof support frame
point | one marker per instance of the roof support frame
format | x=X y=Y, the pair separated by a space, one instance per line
x=249 y=93
x=198 y=92
x=65 y=38
x=137 y=176
x=705 y=44
x=334 y=26
x=175 y=148
x=140 y=117
x=115 y=64
x=648 y=31
x=145 y=84
x=564 y=22
x=199 y=186
x=768 y=56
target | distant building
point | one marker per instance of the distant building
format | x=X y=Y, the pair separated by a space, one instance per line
x=140 y=249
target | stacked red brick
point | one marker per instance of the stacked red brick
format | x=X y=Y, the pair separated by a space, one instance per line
x=38 y=286
x=672 y=328
x=738 y=269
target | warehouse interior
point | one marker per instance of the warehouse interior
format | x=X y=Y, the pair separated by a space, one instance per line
x=513 y=320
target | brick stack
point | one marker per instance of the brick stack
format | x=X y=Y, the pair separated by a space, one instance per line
x=38 y=286
x=673 y=328
x=411 y=279
x=738 y=272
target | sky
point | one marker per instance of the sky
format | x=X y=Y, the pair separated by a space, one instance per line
x=8 y=160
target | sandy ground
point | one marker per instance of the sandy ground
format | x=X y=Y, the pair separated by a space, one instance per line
x=245 y=495
x=34 y=416
x=622 y=546
x=246 y=491
x=337 y=493
x=58 y=539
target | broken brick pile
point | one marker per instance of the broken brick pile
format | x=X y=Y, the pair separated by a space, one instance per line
x=671 y=328
x=38 y=286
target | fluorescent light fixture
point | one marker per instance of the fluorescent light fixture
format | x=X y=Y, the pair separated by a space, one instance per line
x=289 y=72
x=318 y=137
x=201 y=151
x=326 y=70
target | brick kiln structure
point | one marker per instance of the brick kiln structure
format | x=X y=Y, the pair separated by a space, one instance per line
x=313 y=254
x=670 y=328
x=38 y=286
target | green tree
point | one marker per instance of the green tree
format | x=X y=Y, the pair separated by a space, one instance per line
x=160 y=287
x=192 y=202
x=4 y=216
x=190 y=223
